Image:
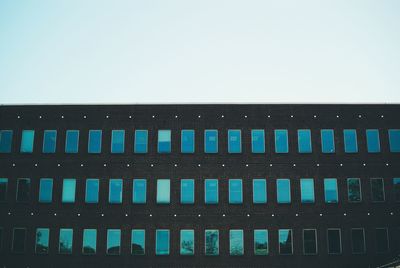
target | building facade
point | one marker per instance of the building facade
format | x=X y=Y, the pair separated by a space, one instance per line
x=199 y=185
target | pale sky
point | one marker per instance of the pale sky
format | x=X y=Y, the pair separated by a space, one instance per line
x=170 y=51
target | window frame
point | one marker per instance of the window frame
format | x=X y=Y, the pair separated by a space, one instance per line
x=394 y=133
x=352 y=242
x=169 y=150
x=286 y=133
x=206 y=133
x=29 y=149
x=47 y=243
x=230 y=133
x=28 y=198
x=205 y=242
x=144 y=241
x=97 y=190
x=302 y=191
x=168 y=251
x=108 y=252
x=291 y=241
x=9 y=143
x=387 y=240
x=100 y=142
x=120 y=198
x=115 y=135
x=205 y=191
x=340 y=241
x=396 y=189
x=45 y=141
x=84 y=231
x=336 y=201
x=253 y=147
x=332 y=141
x=300 y=146
x=383 y=190
x=159 y=198
x=5 y=182
x=193 y=191
x=46 y=201
x=349 y=139
x=348 y=190
x=135 y=180
x=231 y=201
x=74 y=192
x=192 y=134
x=13 y=240
x=68 y=150
x=264 y=191
x=316 y=242
x=231 y=231
x=254 y=241
x=180 y=242
x=372 y=131
x=72 y=241
x=289 y=191
x=136 y=144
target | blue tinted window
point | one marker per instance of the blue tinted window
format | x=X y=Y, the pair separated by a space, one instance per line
x=163 y=191
x=65 y=241
x=187 y=242
x=212 y=242
x=236 y=247
x=5 y=141
x=350 y=141
x=46 y=190
x=164 y=141
x=187 y=141
x=327 y=141
x=257 y=141
x=138 y=242
x=304 y=140
x=187 y=191
x=72 y=141
x=281 y=141
x=113 y=241
x=3 y=189
x=68 y=193
x=283 y=191
x=307 y=190
x=234 y=141
x=373 y=142
x=89 y=241
x=117 y=141
x=331 y=192
x=42 y=241
x=92 y=191
x=285 y=241
x=141 y=139
x=27 y=140
x=259 y=191
x=139 y=191
x=211 y=141
x=235 y=191
x=115 y=191
x=394 y=140
x=260 y=242
x=211 y=191
x=23 y=190
x=94 y=146
x=49 y=141
x=162 y=242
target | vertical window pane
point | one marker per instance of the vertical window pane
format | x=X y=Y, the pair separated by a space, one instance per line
x=381 y=240
x=27 y=140
x=141 y=140
x=49 y=141
x=373 y=141
x=261 y=242
x=3 y=189
x=257 y=141
x=187 y=242
x=307 y=190
x=235 y=191
x=139 y=191
x=330 y=189
x=89 y=243
x=162 y=242
x=163 y=191
x=19 y=237
x=304 y=140
x=259 y=191
x=138 y=242
x=354 y=189
x=211 y=191
x=92 y=191
x=164 y=141
x=94 y=144
x=327 y=141
x=46 y=190
x=211 y=141
x=1 y=238
x=42 y=241
x=72 y=141
x=236 y=242
x=350 y=141
x=65 y=241
x=68 y=193
x=285 y=241
x=396 y=189
x=234 y=141
x=377 y=190
x=5 y=141
x=187 y=191
x=113 y=241
x=283 y=191
x=187 y=141
x=394 y=140
x=212 y=242
x=117 y=141
x=358 y=241
x=23 y=190
x=310 y=241
x=334 y=241
x=281 y=141
x=115 y=191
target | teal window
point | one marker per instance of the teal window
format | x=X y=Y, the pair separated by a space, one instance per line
x=211 y=141
x=350 y=141
x=236 y=247
x=328 y=141
x=187 y=191
x=68 y=192
x=89 y=241
x=72 y=141
x=211 y=191
x=331 y=190
x=234 y=141
x=164 y=141
x=354 y=189
x=139 y=191
x=261 y=247
x=3 y=189
x=187 y=141
x=113 y=241
x=163 y=191
x=94 y=143
x=23 y=190
x=283 y=191
x=162 y=242
x=49 y=141
x=381 y=240
x=373 y=141
x=304 y=141
x=46 y=190
x=42 y=241
x=115 y=191
x=358 y=241
x=138 y=242
x=65 y=241
x=27 y=140
x=187 y=242
x=117 y=141
x=285 y=241
x=259 y=191
x=281 y=141
x=396 y=189
x=377 y=190
x=334 y=241
x=212 y=242
x=141 y=141
x=92 y=191
x=19 y=240
x=309 y=241
x=394 y=140
x=258 y=141
x=5 y=141
x=307 y=190
x=235 y=191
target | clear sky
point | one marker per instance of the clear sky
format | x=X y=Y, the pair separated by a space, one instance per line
x=94 y=51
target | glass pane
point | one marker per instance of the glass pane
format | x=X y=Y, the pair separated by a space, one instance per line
x=381 y=240
x=138 y=241
x=235 y=191
x=358 y=241
x=65 y=241
x=141 y=139
x=285 y=241
x=334 y=241
x=187 y=242
x=139 y=191
x=377 y=190
x=281 y=141
x=331 y=193
x=212 y=242
x=94 y=146
x=49 y=141
x=260 y=242
x=5 y=141
x=350 y=141
x=46 y=190
x=68 y=193
x=310 y=242
x=27 y=140
x=304 y=140
x=92 y=191
x=211 y=191
x=164 y=141
x=211 y=141
x=42 y=240
x=187 y=141
x=257 y=141
x=234 y=141
x=283 y=191
x=23 y=190
x=162 y=242
x=307 y=190
x=259 y=191
x=354 y=189
x=236 y=242
x=3 y=189
x=373 y=142
x=394 y=140
x=1 y=238
x=19 y=237
x=113 y=241
x=327 y=141
x=117 y=141
x=72 y=141
x=115 y=191
x=187 y=191
x=163 y=191
x=396 y=189
x=89 y=241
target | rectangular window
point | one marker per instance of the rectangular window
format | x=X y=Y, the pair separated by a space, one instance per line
x=19 y=240
x=72 y=141
x=212 y=242
x=164 y=141
x=304 y=141
x=1 y=238
x=211 y=191
x=310 y=241
x=261 y=242
x=46 y=190
x=92 y=191
x=381 y=240
x=283 y=191
x=377 y=190
x=42 y=241
x=23 y=190
x=94 y=143
x=350 y=140
x=89 y=241
x=27 y=140
x=307 y=190
x=281 y=141
x=5 y=141
x=113 y=242
x=68 y=192
x=285 y=241
x=187 y=242
x=258 y=141
x=162 y=242
x=334 y=241
x=187 y=141
x=49 y=141
x=138 y=242
x=330 y=190
x=187 y=191
x=211 y=141
x=141 y=140
x=236 y=247
x=117 y=141
x=328 y=141
x=3 y=189
x=358 y=241
x=234 y=141
x=396 y=189
x=163 y=191
x=394 y=140
x=65 y=241
x=139 y=191
x=115 y=191
x=259 y=191
x=373 y=141
x=354 y=189
x=235 y=191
